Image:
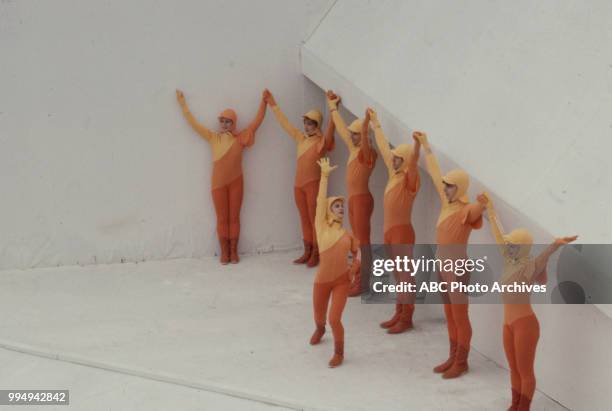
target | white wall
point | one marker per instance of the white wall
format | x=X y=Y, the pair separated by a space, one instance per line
x=97 y=163
x=516 y=93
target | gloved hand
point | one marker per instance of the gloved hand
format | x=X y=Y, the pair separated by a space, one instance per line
x=326 y=168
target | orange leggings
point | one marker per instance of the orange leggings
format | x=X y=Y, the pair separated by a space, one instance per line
x=306 y=201
x=520 y=341
x=360 y=208
x=338 y=291
x=228 y=200
x=458 y=324
x=402 y=237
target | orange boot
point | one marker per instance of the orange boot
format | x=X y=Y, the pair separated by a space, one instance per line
x=516 y=396
x=338 y=354
x=306 y=256
x=460 y=366
x=404 y=323
x=451 y=359
x=317 y=335
x=390 y=323
x=524 y=404
x=234 y=251
x=313 y=261
x=225 y=253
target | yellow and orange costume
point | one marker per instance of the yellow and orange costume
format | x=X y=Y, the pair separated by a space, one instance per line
x=227 y=180
x=334 y=274
x=310 y=148
x=359 y=167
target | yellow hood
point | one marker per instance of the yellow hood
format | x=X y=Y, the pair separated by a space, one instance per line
x=355 y=126
x=231 y=115
x=404 y=151
x=461 y=179
x=522 y=237
x=329 y=214
x=314 y=115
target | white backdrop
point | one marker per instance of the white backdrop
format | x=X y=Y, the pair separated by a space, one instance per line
x=97 y=163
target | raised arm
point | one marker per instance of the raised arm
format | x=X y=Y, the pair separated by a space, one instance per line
x=328 y=138
x=332 y=102
x=433 y=168
x=321 y=211
x=367 y=151
x=247 y=137
x=496 y=228
x=412 y=178
x=475 y=210
x=381 y=140
x=542 y=260
x=295 y=133
x=199 y=128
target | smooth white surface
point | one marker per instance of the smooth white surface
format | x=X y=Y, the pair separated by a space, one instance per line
x=242 y=328
x=97 y=164
x=516 y=93
x=93 y=389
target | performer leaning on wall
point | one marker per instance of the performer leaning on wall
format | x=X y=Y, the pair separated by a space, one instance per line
x=359 y=167
x=402 y=187
x=458 y=217
x=311 y=145
x=227 y=145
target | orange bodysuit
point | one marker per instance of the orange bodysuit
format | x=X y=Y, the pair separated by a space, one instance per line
x=227 y=181
x=402 y=186
x=521 y=327
x=456 y=221
x=360 y=164
x=334 y=274
x=309 y=150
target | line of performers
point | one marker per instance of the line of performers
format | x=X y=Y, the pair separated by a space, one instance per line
x=328 y=245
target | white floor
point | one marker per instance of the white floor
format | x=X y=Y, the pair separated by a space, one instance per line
x=190 y=334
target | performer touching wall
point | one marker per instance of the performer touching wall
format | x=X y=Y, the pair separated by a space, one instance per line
x=360 y=163
x=311 y=146
x=521 y=327
x=458 y=217
x=334 y=275
x=227 y=145
x=402 y=186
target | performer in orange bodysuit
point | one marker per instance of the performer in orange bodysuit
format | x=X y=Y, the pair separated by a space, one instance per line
x=458 y=217
x=521 y=326
x=334 y=275
x=227 y=182
x=361 y=162
x=311 y=146
x=400 y=192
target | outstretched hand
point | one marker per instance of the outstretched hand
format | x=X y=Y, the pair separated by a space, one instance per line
x=421 y=137
x=269 y=98
x=180 y=97
x=326 y=167
x=332 y=99
x=483 y=198
x=373 y=117
x=565 y=240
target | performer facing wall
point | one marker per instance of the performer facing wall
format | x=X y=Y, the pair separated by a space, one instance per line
x=334 y=275
x=458 y=217
x=521 y=326
x=311 y=146
x=227 y=182
x=359 y=167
